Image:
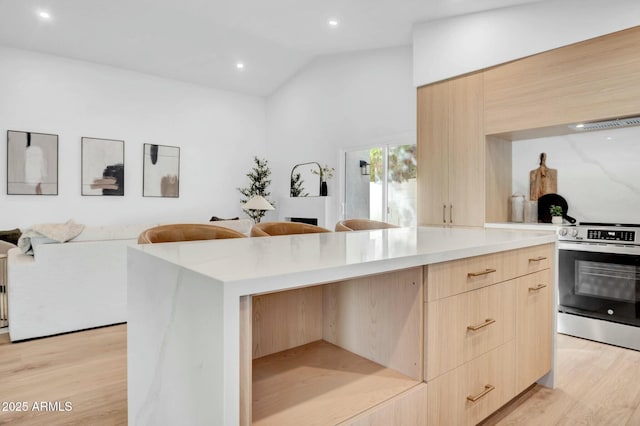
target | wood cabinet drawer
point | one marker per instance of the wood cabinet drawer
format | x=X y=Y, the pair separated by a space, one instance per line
x=474 y=390
x=534 y=327
x=462 y=327
x=408 y=408
x=536 y=258
x=458 y=276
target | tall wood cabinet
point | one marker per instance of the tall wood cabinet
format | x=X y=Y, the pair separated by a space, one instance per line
x=466 y=124
x=451 y=152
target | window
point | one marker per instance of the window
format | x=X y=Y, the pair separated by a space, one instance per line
x=380 y=184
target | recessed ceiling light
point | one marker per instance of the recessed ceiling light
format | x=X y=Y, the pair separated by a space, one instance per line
x=44 y=14
x=332 y=23
x=240 y=65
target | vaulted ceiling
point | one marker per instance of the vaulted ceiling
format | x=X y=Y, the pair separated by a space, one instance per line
x=202 y=41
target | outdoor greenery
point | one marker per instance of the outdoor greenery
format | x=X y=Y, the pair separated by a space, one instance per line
x=402 y=163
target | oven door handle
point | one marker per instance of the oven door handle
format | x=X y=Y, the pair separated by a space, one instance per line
x=599 y=248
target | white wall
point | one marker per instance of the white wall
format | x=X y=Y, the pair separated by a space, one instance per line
x=598 y=172
x=336 y=103
x=449 y=47
x=357 y=186
x=218 y=133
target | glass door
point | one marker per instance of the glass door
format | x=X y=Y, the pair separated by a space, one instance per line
x=380 y=184
x=402 y=167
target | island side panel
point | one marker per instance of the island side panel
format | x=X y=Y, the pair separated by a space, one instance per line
x=174 y=344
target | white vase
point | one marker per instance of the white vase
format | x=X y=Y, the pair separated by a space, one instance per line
x=556 y=219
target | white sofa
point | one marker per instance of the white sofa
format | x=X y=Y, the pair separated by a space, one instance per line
x=75 y=285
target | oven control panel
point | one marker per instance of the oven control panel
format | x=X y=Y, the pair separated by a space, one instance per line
x=600 y=234
x=611 y=235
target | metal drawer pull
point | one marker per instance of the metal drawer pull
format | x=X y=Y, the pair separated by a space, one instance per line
x=444 y=209
x=538 y=287
x=538 y=259
x=487 y=389
x=477 y=274
x=486 y=322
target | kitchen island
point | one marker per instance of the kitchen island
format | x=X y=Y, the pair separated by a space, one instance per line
x=330 y=328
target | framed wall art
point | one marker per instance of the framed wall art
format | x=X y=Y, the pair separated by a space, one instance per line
x=32 y=163
x=102 y=166
x=161 y=171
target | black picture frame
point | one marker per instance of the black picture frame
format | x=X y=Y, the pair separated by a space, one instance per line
x=32 y=163
x=102 y=167
x=160 y=171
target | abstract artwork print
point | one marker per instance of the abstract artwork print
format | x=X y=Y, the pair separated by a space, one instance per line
x=161 y=171
x=32 y=163
x=102 y=166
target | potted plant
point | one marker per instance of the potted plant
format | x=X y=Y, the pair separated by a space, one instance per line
x=556 y=214
x=325 y=173
x=259 y=182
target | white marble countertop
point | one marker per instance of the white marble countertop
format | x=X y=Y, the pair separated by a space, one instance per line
x=185 y=303
x=525 y=226
x=255 y=265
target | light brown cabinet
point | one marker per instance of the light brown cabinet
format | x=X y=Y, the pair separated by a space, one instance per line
x=486 y=341
x=451 y=152
x=465 y=125
x=463 y=327
x=534 y=259
x=473 y=391
x=534 y=327
x=592 y=80
x=459 y=276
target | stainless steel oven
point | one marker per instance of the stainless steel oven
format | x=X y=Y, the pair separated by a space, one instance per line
x=599 y=283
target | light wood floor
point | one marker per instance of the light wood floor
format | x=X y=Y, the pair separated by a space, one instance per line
x=596 y=384
x=87 y=369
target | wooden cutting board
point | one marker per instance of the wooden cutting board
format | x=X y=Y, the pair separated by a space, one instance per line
x=542 y=180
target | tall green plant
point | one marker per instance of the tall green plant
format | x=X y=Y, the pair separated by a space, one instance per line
x=258 y=183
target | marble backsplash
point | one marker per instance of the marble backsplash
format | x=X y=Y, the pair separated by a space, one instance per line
x=598 y=172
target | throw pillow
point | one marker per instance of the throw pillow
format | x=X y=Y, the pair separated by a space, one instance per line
x=11 y=235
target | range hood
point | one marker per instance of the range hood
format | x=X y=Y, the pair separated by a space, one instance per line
x=609 y=124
